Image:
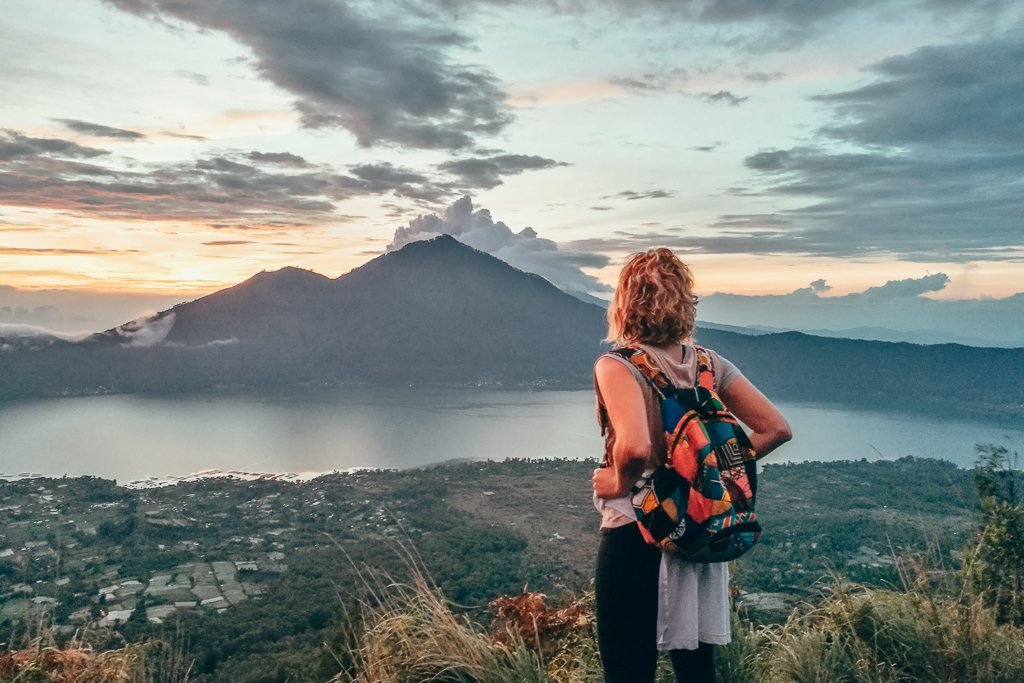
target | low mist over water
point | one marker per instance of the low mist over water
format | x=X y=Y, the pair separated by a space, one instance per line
x=131 y=437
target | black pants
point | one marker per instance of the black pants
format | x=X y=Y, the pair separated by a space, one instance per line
x=626 y=588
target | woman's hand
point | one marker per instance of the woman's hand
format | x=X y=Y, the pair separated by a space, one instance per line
x=606 y=483
x=769 y=428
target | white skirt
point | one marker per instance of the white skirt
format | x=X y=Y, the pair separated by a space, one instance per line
x=693 y=604
x=693 y=597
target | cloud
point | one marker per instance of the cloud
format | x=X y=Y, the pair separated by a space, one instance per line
x=15 y=146
x=633 y=195
x=894 y=311
x=56 y=251
x=387 y=173
x=197 y=78
x=185 y=136
x=71 y=310
x=759 y=26
x=724 y=97
x=282 y=158
x=924 y=163
x=41 y=317
x=252 y=190
x=820 y=286
x=904 y=289
x=249 y=190
x=486 y=172
x=670 y=80
x=381 y=72
x=147 y=330
x=764 y=76
x=98 y=131
x=524 y=249
x=21 y=330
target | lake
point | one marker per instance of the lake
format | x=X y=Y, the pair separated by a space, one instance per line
x=135 y=437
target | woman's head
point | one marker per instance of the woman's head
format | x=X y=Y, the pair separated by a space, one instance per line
x=654 y=302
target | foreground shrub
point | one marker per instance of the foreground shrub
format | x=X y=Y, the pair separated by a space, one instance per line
x=863 y=635
x=409 y=634
x=994 y=565
x=42 y=660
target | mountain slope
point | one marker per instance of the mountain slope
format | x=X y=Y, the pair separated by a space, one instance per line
x=434 y=311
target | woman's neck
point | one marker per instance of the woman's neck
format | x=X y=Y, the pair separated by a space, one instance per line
x=671 y=349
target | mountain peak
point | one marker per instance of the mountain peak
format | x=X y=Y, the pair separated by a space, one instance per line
x=438 y=242
x=287 y=274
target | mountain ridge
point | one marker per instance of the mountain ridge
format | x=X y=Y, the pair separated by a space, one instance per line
x=441 y=312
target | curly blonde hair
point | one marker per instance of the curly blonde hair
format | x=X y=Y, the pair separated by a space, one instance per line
x=654 y=301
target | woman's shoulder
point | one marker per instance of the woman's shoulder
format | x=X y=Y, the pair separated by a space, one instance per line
x=725 y=370
x=613 y=367
x=612 y=359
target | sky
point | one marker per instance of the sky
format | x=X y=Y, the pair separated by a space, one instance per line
x=801 y=155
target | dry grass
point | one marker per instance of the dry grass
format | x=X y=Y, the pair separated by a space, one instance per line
x=44 y=661
x=41 y=660
x=409 y=634
x=863 y=635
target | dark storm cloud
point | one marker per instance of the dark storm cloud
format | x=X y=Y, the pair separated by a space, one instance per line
x=486 y=172
x=100 y=131
x=382 y=73
x=931 y=164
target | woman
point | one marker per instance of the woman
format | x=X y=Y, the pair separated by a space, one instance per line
x=647 y=601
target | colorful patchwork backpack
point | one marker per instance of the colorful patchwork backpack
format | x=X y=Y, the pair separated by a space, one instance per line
x=700 y=505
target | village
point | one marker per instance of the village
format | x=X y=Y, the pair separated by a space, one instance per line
x=84 y=552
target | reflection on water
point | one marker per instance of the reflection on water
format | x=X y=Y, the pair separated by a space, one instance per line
x=134 y=437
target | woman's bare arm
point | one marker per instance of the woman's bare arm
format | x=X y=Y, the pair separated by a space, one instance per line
x=624 y=401
x=769 y=428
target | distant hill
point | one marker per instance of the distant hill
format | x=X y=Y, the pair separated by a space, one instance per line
x=886 y=334
x=756 y=331
x=439 y=311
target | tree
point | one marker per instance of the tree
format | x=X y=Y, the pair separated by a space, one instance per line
x=995 y=564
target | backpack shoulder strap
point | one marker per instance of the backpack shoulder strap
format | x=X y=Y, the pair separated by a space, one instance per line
x=705 y=368
x=643 y=362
